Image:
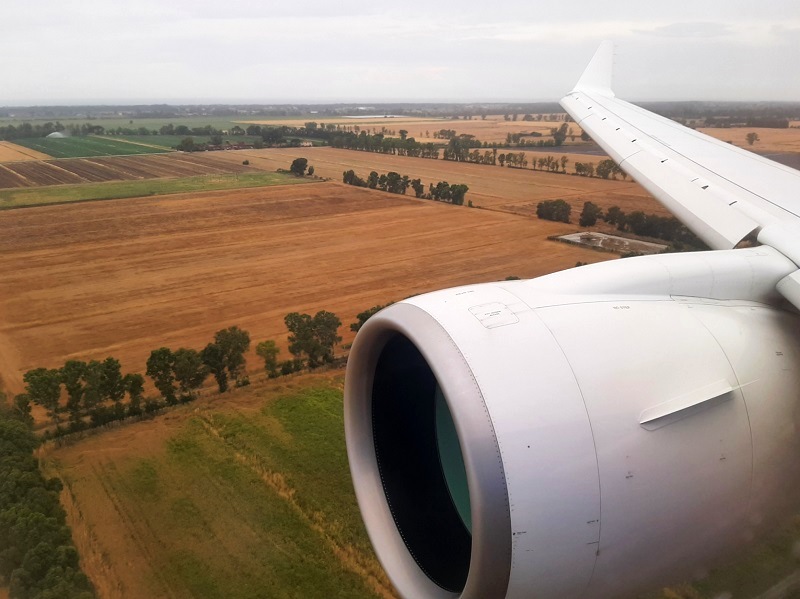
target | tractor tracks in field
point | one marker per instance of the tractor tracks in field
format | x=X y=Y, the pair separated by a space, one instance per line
x=353 y=560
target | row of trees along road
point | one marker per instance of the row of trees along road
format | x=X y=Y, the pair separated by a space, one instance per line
x=644 y=225
x=393 y=182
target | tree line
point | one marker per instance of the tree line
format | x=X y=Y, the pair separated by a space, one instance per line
x=667 y=228
x=394 y=182
x=38 y=559
x=96 y=391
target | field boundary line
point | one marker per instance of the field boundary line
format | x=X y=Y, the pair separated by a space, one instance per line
x=135 y=533
x=88 y=544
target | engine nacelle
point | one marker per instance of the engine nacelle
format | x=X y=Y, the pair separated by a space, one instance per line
x=532 y=439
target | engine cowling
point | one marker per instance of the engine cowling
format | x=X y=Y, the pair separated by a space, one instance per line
x=538 y=439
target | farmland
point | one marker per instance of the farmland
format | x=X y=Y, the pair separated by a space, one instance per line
x=246 y=498
x=93 y=145
x=168 y=142
x=493 y=129
x=122 y=278
x=246 y=494
x=511 y=190
x=10 y=152
x=117 y=168
x=63 y=194
x=770 y=140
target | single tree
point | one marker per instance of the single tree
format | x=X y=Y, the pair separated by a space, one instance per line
x=301 y=337
x=134 y=385
x=94 y=387
x=614 y=215
x=113 y=385
x=298 y=166
x=589 y=215
x=605 y=168
x=752 y=138
x=418 y=187
x=190 y=372
x=160 y=368
x=214 y=358
x=233 y=342
x=457 y=193
x=72 y=374
x=268 y=351
x=326 y=328
x=43 y=387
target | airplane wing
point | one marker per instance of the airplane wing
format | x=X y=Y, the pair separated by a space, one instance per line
x=721 y=192
x=546 y=438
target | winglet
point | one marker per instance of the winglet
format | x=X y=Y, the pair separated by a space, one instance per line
x=597 y=76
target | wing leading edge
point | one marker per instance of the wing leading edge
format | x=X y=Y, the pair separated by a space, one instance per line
x=721 y=192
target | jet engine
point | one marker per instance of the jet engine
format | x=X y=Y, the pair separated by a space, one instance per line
x=591 y=433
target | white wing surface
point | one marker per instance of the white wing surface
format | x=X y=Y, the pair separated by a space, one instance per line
x=721 y=192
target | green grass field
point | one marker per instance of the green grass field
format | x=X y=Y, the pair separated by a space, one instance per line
x=82 y=147
x=211 y=480
x=63 y=194
x=253 y=501
x=168 y=142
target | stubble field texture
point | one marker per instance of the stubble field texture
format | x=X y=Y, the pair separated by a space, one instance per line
x=125 y=277
x=499 y=188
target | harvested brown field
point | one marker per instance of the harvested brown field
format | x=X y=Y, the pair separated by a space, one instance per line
x=116 y=168
x=770 y=140
x=511 y=190
x=122 y=278
x=10 y=152
x=492 y=129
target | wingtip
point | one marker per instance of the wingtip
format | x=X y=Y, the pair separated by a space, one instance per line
x=598 y=74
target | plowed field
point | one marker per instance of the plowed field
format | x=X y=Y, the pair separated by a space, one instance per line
x=122 y=278
x=117 y=168
x=511 y=190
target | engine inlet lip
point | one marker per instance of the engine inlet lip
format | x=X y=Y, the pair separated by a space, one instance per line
x=490 y=560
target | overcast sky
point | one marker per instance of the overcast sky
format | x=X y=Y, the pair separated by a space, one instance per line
x=145 y=51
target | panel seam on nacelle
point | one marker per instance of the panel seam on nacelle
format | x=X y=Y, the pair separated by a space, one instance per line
x=594 y=444
x=740 y=388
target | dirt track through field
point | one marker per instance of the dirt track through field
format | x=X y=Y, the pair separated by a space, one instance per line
x=125 y=277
